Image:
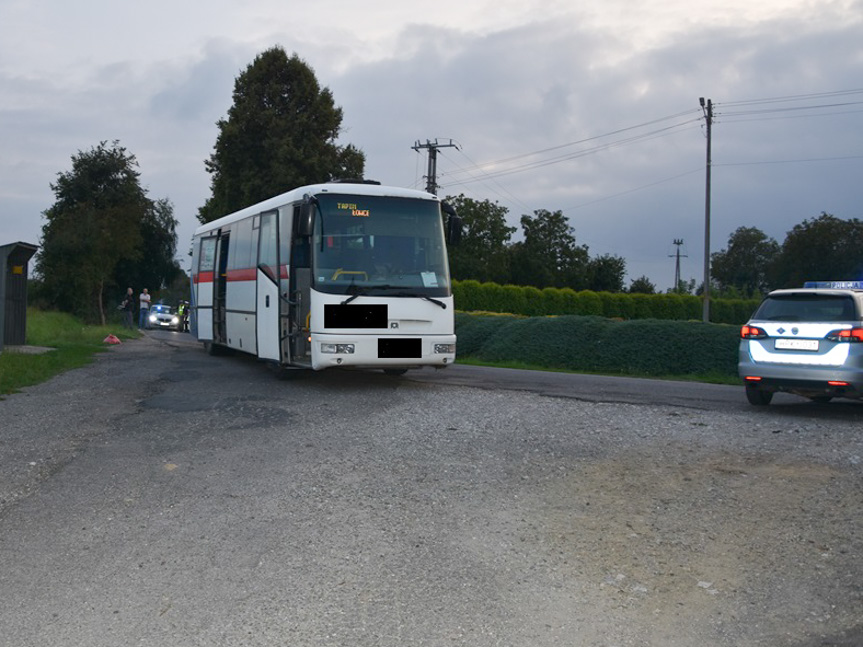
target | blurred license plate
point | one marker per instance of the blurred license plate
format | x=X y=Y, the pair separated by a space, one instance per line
x=796 y=344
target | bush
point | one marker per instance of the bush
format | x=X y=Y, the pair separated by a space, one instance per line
x=475 y=330
x=471 y=296
x=647 y=347
x=589 y=303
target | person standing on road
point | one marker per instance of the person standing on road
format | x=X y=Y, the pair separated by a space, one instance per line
x=128 y=306
x=144 y=305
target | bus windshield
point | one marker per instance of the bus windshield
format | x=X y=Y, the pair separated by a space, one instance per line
x=379 y=245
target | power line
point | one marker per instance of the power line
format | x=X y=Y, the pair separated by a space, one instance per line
x=574 y=155
x=797 y=161
x=790 y=109
x=736 y=111
x=737 y=117
x=502 y=189
x=636 y=189
x=456 y=179
x=793 y=97
x=584 y=141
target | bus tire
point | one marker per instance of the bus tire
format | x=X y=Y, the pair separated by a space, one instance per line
x=213 y=349
x=285 y=372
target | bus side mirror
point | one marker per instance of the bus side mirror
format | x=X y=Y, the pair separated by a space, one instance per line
x=306 y=224
x=453 y=224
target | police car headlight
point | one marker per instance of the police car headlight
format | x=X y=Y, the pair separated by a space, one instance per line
x=444 y=349
x=174 y=321
x=152 y=318
x=337 y=349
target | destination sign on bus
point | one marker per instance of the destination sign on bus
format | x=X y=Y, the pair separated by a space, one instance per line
x=352 y=207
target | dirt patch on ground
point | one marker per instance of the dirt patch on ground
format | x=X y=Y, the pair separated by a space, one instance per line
x=666 y=539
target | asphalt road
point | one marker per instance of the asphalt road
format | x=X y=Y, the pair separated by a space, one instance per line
x=165 y=497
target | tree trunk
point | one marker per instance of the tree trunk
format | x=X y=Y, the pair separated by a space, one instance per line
x=101 y=304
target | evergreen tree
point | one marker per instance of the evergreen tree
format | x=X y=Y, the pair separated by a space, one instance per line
x=642 y=285
x=280 y=134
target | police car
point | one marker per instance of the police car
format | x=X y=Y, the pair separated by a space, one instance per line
x=805 y=341
x=162 y=316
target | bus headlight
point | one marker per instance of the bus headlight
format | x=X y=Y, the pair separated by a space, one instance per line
x=444 y=349
x=338 y=349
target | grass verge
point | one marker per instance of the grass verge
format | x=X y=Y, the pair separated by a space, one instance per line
x=75 y=344
x=706 y=378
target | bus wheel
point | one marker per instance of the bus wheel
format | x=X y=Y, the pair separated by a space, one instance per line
x=395 y=371
x=285 y=372
x=213 y=349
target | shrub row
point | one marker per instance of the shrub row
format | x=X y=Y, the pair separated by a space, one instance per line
x=646 y=347
x=473 y=296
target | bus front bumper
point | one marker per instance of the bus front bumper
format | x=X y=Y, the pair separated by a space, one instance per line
x=382 y=351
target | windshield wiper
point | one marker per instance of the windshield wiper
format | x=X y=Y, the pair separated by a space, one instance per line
x=435 y=301
x=421 y=296
x=351 y=298
x=363 y=292
x=366 y=292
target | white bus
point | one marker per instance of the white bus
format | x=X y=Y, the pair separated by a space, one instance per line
x=349 y=274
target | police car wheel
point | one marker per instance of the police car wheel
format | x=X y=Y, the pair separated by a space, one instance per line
x=758 y=397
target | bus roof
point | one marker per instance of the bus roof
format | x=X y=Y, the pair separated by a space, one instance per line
x=297 y=194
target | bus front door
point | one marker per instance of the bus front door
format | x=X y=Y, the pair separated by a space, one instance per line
x=202 y=296
x=268 y=306
x=220 y=290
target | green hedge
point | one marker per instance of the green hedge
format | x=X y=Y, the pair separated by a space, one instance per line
x=472 y=296
x=647 y=347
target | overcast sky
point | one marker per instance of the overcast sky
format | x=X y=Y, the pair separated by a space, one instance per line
x=590 y=108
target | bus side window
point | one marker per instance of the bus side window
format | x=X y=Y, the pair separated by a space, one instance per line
x=268 y=250
x=208 y=254
x=300 y=246
x=242 y=251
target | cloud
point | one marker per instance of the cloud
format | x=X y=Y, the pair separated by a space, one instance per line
x=518 y=90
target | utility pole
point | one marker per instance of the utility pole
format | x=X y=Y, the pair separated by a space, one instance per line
x=678 y=242
x=708 y=117
x=431 y=178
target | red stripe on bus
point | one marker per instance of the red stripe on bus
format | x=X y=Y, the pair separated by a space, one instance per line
x=247 y=274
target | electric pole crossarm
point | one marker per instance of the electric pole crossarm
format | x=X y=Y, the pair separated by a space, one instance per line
x=432 y=147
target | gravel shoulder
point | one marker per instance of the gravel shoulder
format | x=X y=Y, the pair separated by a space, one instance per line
x=332 y=510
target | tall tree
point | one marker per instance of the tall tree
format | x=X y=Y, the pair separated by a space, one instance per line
x=642 y=285
x=157 y=267
x=822 y=248
x=97 y=225
x=605 y=273
x=482 y=252
x=743 y=265
x=280 y=134
x=549 y=256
